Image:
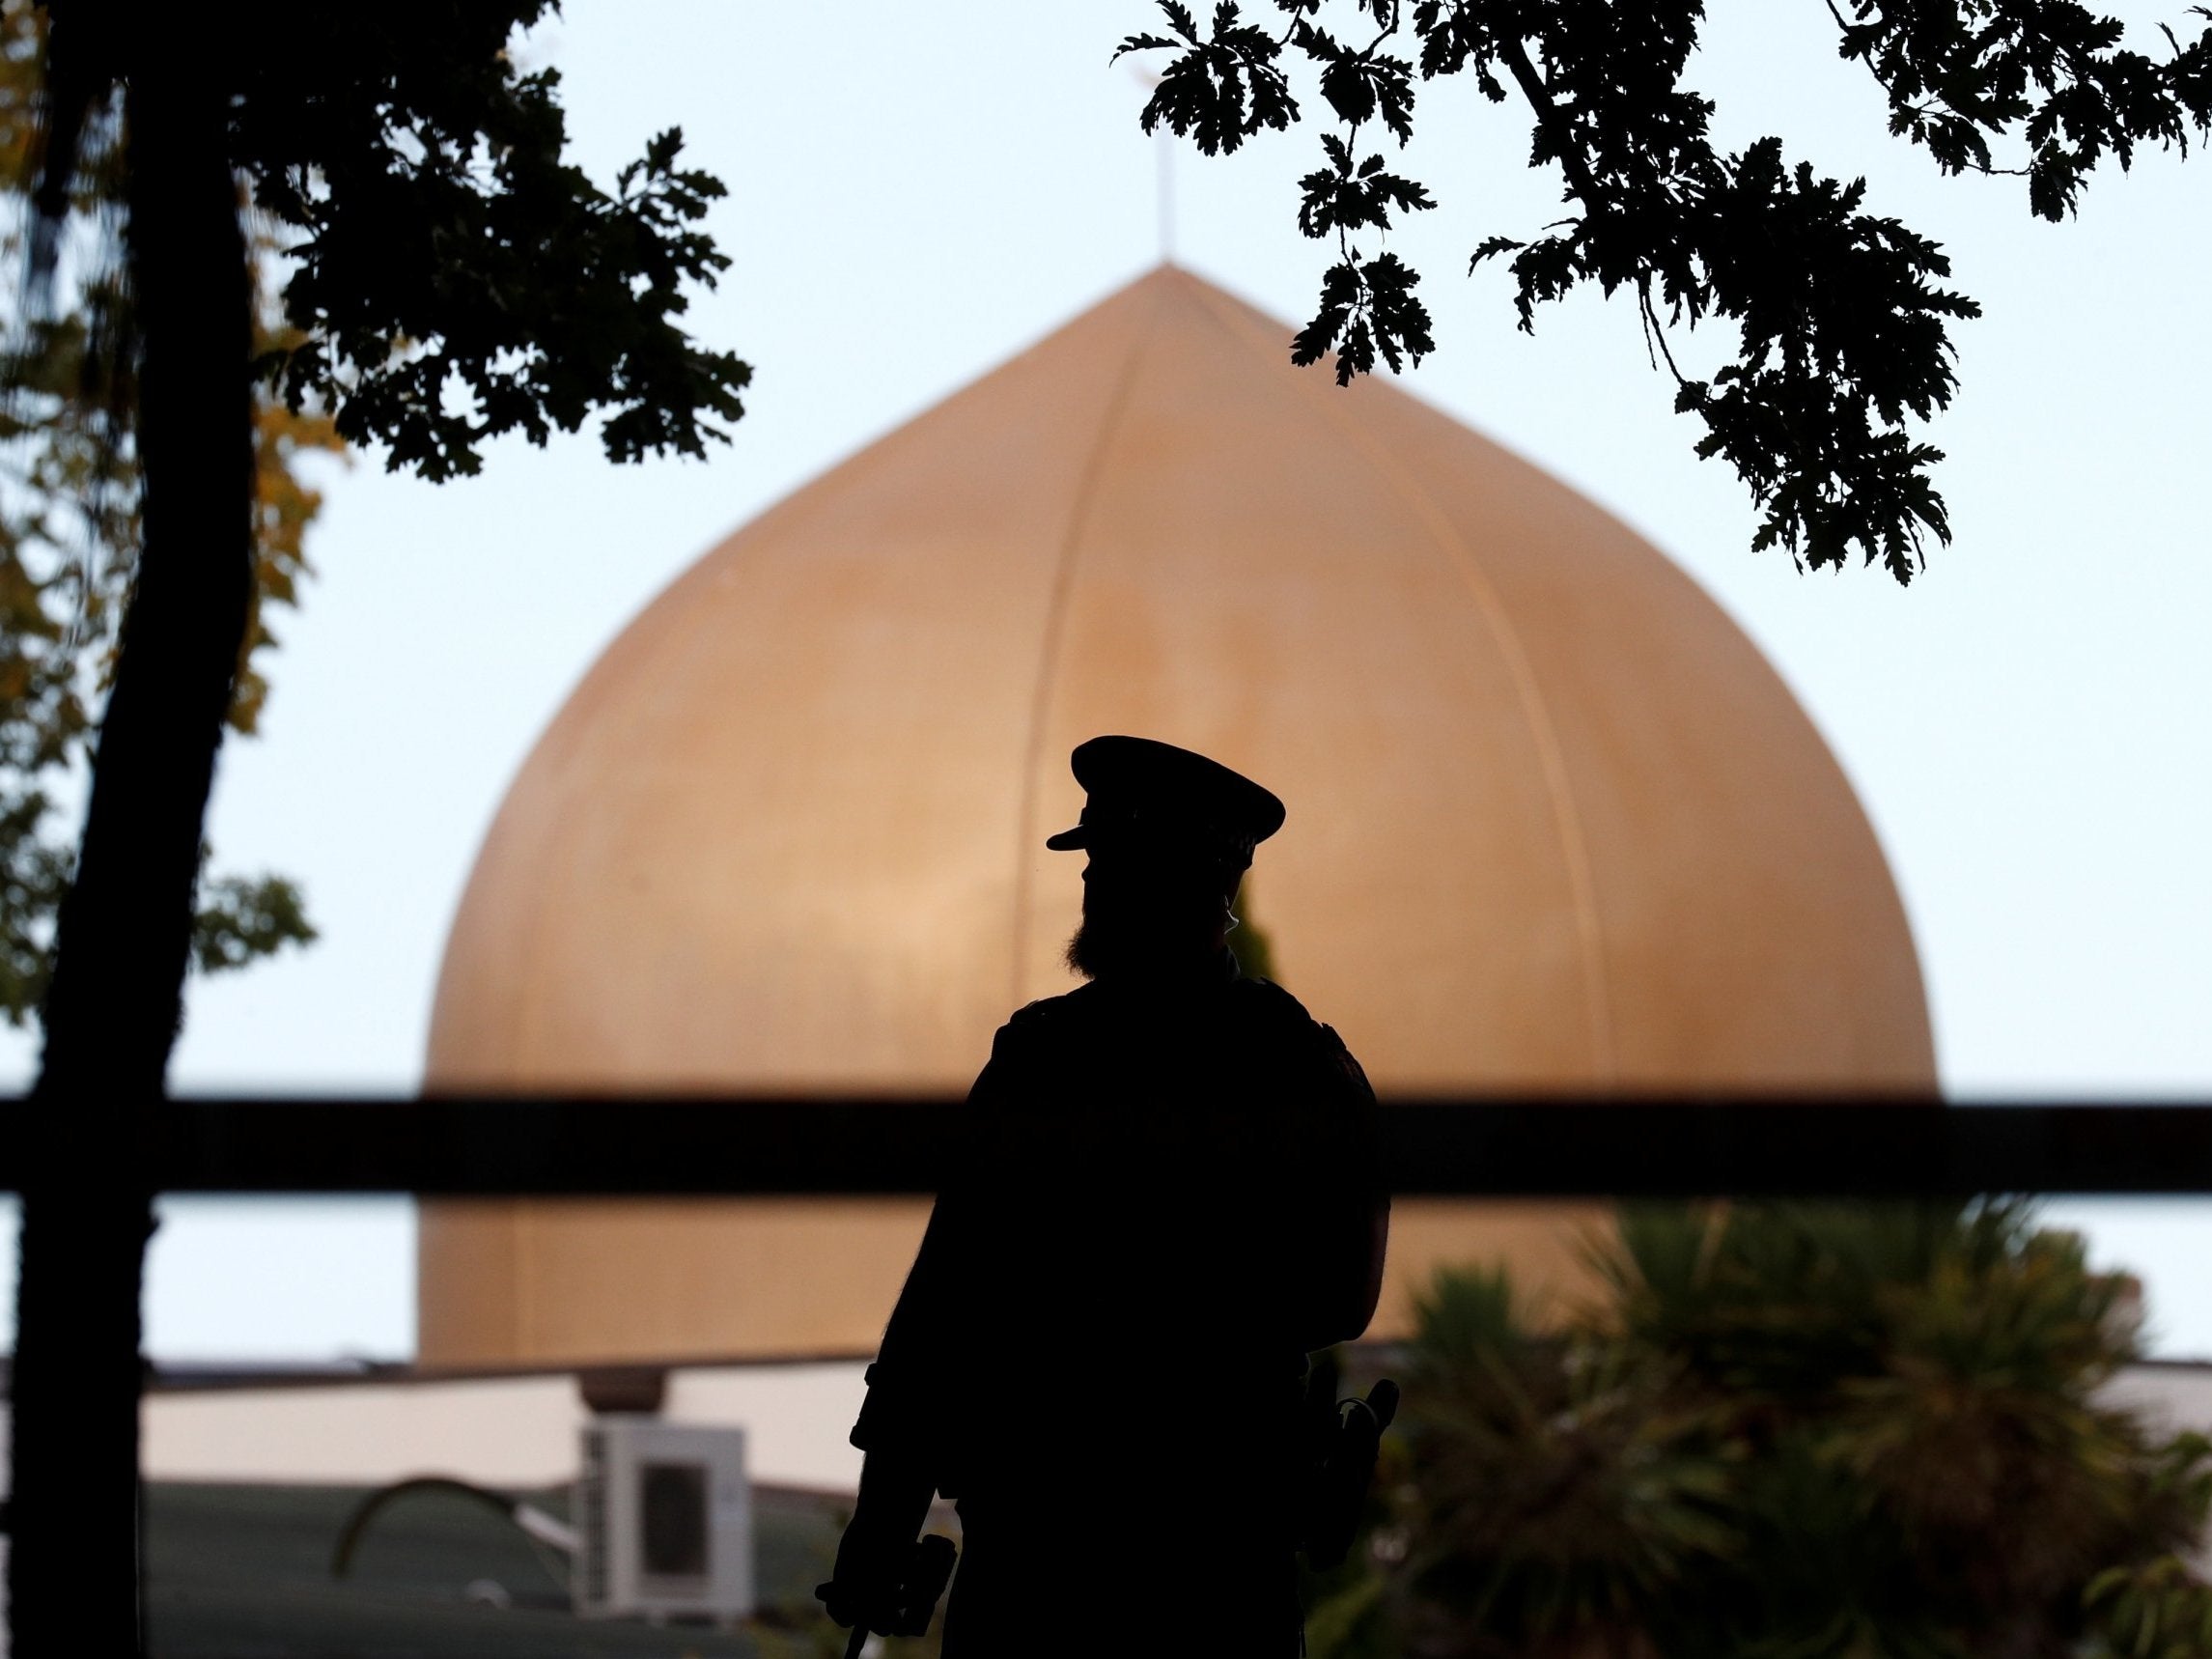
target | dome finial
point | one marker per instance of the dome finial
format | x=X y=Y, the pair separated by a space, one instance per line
x=1163 y=147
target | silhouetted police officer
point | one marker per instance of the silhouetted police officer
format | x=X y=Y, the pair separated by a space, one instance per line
x=1169 y=1198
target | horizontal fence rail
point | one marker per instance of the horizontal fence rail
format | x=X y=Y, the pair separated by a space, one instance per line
x=1551 y=1148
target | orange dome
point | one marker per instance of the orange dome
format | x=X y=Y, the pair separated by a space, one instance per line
x=1554 y=823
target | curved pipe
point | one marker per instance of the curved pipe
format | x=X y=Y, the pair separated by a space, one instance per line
x=535 y=1524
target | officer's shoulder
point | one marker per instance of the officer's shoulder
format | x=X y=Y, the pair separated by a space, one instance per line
x=1268 y=1001
x=1044 y=1016
x=1282 y=1012
x=1049 y=1010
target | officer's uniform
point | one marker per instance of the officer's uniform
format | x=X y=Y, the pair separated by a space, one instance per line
x=1168 y=1196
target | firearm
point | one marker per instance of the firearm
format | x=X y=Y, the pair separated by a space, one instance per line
x=906 y=1611
x=1342 y=1468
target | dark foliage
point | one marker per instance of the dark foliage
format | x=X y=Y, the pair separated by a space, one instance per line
x=1842 y=323
x=412 y=180
x=453 y=280
x=1789 y=1431
x=69 y=533
x=432 y=199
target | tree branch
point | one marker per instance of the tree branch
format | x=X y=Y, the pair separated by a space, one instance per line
x=1579 y=178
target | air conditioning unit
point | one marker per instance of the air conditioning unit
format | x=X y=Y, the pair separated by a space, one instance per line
x=665 y=1521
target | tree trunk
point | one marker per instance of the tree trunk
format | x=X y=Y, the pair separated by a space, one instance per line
x=125 y=932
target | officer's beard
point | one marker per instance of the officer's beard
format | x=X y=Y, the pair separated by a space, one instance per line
x=1148 y=934
x=1101 y=947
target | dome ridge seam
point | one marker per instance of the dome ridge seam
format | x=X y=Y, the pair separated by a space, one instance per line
x=1055 y=631
x=1581 y=885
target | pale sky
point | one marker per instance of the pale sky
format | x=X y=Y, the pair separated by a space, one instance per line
x=915 y=194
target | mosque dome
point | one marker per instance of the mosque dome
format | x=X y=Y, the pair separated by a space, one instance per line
x=1554 y=823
